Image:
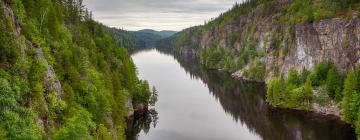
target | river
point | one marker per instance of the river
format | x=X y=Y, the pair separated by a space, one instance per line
x=199 y=104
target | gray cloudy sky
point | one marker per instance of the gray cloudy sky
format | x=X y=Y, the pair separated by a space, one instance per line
x=156 y=14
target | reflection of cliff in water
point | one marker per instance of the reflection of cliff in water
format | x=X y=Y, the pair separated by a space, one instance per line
x=244 y=101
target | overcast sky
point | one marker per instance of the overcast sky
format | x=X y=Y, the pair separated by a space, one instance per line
x=156 y=14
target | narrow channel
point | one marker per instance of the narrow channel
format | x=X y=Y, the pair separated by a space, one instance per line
x=199 y=104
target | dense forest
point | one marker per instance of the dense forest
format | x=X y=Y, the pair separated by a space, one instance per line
x=138 y=40
x=307 y=51
x=61 y=75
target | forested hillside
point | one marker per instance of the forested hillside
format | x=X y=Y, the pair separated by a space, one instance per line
x=61 y=75
x=307 y=51
x=137 y=40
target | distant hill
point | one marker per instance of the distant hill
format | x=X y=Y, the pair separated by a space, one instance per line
x=134 y=40
x=163 y=34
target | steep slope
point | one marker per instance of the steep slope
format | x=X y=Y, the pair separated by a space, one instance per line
x=275 y=29
x=303 y=49
x=61 y=75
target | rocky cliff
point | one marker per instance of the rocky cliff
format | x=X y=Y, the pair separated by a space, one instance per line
x=333 y=40
x=285 y=44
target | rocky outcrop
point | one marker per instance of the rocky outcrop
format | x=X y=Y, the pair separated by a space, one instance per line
x=286 y=45
x=330 y=108
x=241 y=76
x=8 y=12
x=333 y=40
x=51 y=82
x=129 y=107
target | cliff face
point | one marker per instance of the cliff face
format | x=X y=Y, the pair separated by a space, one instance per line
x=333 y=40
x=286 y=45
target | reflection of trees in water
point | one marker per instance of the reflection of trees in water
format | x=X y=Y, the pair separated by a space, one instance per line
x=245 y=102
x=141 y=123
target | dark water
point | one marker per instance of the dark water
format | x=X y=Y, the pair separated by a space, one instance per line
x=198 y=104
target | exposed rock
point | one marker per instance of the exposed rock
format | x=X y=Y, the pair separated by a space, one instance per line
x=111 y=127
x=8 y=12
x=240 y=76
x=51 y=82
x=330 y=108
x=130 y=108
x=301 y=45
x=336 y=41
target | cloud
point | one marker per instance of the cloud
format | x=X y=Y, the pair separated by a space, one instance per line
x=156 y=14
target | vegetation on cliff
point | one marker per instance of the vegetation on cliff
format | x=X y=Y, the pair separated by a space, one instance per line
x=61 y=75
x=256 y=38
x=240 y=45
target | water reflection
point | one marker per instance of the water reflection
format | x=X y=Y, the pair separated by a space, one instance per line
x=142 y=123
x=243 y=101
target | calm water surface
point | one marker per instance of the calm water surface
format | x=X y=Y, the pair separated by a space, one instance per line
x=197 y=104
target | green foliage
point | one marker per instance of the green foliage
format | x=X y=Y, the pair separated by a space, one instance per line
x=276 y=91
x=16 y=122
x=357 y=125
x=293 y=77
x=333 y=84
x=153 y=98
x=102 y=133
x=225 y=59
x=142 y=92
x=234 y=13
x=319 y=76
x=211 y=57
x=351 y=98
x=290 y=93
x=294 y=93
x=97 y=76
x=256 y=72
x=310 y=10
x=77 y=127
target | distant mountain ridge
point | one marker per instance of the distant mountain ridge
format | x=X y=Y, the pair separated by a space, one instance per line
x=163 y=33
x=142 y=39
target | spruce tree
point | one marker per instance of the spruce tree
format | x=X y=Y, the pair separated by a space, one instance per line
x=349 y=90
x=333 y=83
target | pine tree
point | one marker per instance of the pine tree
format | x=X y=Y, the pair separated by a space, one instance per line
x=308 y=91
x=349 y=90
x=293 y=77
x=333 y=83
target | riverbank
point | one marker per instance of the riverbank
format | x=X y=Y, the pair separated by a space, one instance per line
x=328 y=108
x=321 y=103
